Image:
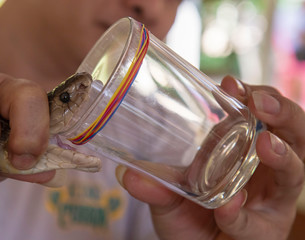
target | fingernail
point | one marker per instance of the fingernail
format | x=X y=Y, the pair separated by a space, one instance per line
x=23 y=162
x=119 y=173
x=265 y=103
x=278 y=146
x=241 y=88
x=59 y=179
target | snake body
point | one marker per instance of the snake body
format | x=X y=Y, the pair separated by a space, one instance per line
x=64 y=101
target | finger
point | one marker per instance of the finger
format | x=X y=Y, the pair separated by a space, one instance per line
x=287 y=167
x=174 y=217
x=284 y=117
x=25 y=105
x=144 y=188
x=234 y=88
x=238 y=222
x=242 y=91
x=59 y=179
x=231 y=218
x=288 y=176
x=41 y=178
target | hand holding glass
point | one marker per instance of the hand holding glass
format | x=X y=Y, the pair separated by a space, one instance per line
x=165 y=118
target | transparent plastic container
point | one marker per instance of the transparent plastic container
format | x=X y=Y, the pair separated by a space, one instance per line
x=165 y=118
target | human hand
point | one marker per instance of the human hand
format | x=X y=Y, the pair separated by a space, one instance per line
x=265 y=208
x=25 y=105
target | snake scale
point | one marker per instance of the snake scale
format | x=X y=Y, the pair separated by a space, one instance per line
x=64 y=101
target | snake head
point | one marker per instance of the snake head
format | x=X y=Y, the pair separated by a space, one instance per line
x=66 y=99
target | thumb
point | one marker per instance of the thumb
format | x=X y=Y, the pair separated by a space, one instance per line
x=232 y=218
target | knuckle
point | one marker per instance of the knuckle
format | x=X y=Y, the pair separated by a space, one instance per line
x=30 y=91
x=19 y=146
x=291 y=111
x=296 y=167
x=19 y=91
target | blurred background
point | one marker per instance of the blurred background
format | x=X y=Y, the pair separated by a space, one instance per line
x=257 y=41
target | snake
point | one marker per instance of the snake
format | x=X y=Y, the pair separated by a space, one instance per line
x=64 y=101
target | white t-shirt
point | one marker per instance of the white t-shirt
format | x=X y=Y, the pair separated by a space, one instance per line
x=90 y=206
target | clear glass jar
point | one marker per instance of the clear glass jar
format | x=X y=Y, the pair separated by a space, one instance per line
x=158 y=114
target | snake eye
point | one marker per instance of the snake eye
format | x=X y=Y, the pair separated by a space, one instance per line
x=64 y=97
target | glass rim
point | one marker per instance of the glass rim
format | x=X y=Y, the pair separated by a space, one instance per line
x=119 y=68
x=93 y=57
